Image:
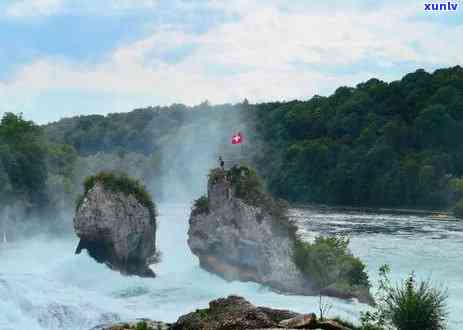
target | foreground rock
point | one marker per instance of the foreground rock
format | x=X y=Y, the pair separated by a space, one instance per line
x=142 y=324
x=300 y=321
x=236 y=312
x=245 y=242
x=233 y=313
x=116 y=229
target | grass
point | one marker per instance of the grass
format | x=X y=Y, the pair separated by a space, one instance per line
x=120 y=182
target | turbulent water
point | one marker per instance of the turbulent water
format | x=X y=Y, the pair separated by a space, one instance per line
x=43 y=285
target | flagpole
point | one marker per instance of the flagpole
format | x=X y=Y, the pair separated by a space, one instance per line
x=242 y=154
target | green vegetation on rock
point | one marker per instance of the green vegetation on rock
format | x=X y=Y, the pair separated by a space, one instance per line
x=247 y=186
x=120 y=182
x=330 y=265
x=200 y=206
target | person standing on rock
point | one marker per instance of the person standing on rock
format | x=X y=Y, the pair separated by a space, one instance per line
x=221 y=163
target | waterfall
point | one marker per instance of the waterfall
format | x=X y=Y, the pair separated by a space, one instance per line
x=4 y=216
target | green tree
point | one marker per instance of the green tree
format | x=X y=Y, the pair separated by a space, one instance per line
x=23 y=157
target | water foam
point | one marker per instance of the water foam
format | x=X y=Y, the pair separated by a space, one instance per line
x=43 y=285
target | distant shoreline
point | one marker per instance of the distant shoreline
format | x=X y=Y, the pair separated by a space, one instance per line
x=435 y=214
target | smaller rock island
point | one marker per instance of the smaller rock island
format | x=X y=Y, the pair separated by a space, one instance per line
x=241 y=233
x=116 y=223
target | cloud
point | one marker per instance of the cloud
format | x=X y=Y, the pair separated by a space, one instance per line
x=29 y=8
x=38 y=8
x=269 y=53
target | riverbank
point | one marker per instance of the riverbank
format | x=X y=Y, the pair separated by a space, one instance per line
x=431 y=213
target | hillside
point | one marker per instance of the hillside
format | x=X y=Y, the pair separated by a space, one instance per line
x=379 y=143
x=376 y=144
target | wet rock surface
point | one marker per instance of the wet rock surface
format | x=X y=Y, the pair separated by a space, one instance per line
x=116 y=230
x=244 y=242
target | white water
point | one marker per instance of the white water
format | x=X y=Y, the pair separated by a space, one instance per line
x=43 y=285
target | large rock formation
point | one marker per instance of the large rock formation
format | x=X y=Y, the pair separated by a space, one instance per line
x=241 y=241
x=116 y=229
x=240 y=233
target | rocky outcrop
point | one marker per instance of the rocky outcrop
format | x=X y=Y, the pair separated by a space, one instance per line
x=135 y=325
x=116 y=229
x=245 y=242
x=233 y=313
x=236 y=313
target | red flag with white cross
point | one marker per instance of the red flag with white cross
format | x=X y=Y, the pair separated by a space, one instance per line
x=237 y=138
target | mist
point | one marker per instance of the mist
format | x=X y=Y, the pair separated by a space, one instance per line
x=179 y=147
x=43 y=285
x=188 y=153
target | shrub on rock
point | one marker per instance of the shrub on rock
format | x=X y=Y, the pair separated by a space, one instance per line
x=331 y=266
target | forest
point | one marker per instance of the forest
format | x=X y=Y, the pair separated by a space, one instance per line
x=396 y=144
x=378 y=144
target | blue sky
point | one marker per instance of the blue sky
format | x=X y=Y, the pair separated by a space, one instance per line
x=68 y=57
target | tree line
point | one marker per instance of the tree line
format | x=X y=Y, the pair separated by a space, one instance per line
x=378 y=144
x=395 y=144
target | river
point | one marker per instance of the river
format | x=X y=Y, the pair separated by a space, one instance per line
x=43 y=285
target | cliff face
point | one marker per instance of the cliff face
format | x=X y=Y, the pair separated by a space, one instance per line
x=116 y=230
x=239 y=241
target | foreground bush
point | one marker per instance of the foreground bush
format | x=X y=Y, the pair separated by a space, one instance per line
x=417 y=306
x=408 y=306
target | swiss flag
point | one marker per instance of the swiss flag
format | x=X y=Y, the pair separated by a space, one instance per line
x=237 y=138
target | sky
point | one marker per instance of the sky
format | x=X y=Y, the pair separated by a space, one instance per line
x=62 y=58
